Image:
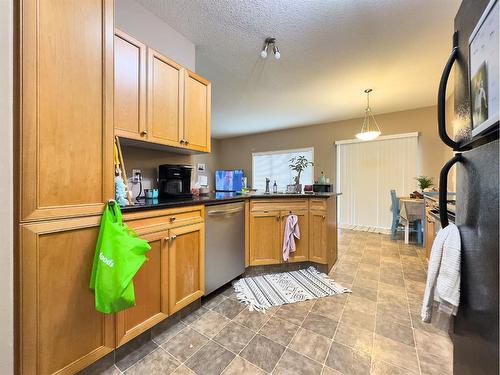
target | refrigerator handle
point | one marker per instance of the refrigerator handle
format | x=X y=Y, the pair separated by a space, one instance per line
x=443 y=189
x=441 y=107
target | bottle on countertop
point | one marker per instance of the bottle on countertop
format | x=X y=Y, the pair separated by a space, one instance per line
x=322 y=178
x=275 y=187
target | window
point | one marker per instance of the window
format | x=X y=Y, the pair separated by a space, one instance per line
x=275 y=166
x=367 y=171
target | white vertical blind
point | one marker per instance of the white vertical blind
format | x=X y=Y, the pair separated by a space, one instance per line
x=276 y=166
x=367 y=171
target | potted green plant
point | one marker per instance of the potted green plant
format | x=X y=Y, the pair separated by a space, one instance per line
x=299 y=164
x=424 y=182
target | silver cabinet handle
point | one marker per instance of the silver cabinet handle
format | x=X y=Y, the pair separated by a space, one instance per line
x=144 y=132
x=171 y=238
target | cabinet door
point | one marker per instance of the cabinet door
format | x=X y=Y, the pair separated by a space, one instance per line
x=165 y=100
x=66 y=103
x=265 y=238
x=197 y=112
x=130 y=87
x=301 y=253
x=151 y=291
x=60 y=330
x=186 y=265
x=318 y=241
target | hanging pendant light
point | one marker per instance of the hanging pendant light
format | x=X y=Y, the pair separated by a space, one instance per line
x=370 y=129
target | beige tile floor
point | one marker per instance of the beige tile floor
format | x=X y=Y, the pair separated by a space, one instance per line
x=374 y=330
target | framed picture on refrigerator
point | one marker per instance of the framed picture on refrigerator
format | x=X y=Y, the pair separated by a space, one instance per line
x=484 y=70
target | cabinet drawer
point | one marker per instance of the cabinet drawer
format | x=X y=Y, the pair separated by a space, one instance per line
x=317 y=204
x=278 y=205
x=152 y=221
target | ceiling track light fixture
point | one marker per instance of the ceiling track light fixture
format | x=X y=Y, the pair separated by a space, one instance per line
x=370 y=129
x=270 y=42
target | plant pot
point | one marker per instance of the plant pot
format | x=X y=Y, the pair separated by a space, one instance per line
x=298 y=188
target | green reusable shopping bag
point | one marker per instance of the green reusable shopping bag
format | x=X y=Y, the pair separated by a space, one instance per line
x=118 y=256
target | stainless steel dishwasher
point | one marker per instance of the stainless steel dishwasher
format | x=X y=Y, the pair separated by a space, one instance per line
x=224 y=244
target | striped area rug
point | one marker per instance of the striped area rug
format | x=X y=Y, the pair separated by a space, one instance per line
x=276 y=289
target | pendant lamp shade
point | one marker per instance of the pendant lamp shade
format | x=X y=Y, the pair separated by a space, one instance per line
x=370 y=129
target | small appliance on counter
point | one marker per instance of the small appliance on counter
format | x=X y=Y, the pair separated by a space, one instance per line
x=174 y=181
x=323 y=188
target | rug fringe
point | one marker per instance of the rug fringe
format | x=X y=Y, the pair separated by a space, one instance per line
x=330 y=280
x=241 y=296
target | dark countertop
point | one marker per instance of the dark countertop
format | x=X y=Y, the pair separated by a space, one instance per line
x=214 y=198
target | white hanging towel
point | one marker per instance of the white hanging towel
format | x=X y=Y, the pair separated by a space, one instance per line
x=443 y=274
x=292 y=231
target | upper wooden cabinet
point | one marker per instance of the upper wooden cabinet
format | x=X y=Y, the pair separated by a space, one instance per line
x=130 y=87
x=66 y=107
x=197 y=112
x=159 y=101
x=61 y=331
x=165 y=100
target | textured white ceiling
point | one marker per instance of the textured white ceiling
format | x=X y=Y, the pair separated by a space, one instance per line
x=331 y=51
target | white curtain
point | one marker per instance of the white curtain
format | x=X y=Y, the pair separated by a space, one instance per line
x=366 y=172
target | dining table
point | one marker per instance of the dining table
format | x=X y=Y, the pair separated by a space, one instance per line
x=410 y=210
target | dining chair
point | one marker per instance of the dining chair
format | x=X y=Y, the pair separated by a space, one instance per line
x=395 y=214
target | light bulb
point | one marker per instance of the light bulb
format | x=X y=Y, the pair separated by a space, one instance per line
x=277 y=53
x=263 y=53
x=368 y=136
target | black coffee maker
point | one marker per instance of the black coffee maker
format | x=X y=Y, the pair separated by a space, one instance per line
x=174 y=181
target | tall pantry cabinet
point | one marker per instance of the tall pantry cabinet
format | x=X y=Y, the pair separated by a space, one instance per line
x=65 y=163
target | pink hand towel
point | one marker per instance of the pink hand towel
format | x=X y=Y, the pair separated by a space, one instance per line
x=291 y=230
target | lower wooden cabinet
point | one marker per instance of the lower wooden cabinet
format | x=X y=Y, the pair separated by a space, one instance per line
x=60 y=331
x=151 y=292
x=318 y=242
x=301 y=253
x=265 y=238
x=317 y=223
x=186 y=255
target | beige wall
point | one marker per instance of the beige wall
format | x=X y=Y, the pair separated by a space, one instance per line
x=6 y=189
x=237 y=152
x=145 y=26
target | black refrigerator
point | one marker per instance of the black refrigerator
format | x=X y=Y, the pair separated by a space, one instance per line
x=474 y=138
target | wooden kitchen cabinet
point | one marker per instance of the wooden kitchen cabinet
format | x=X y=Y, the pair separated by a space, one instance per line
x=130 y=87
x=158 y=100
x=318 y=241
x=197 y=112
x=66 y=108
x=265 y=237
x=186 y=256
x=165 y=100
x=60 y=331
x=301 y=253
x=151 y=291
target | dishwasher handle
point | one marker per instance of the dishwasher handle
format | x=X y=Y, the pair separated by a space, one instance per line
x=225 y=212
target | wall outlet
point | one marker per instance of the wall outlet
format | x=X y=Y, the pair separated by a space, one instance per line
x=135 y=175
